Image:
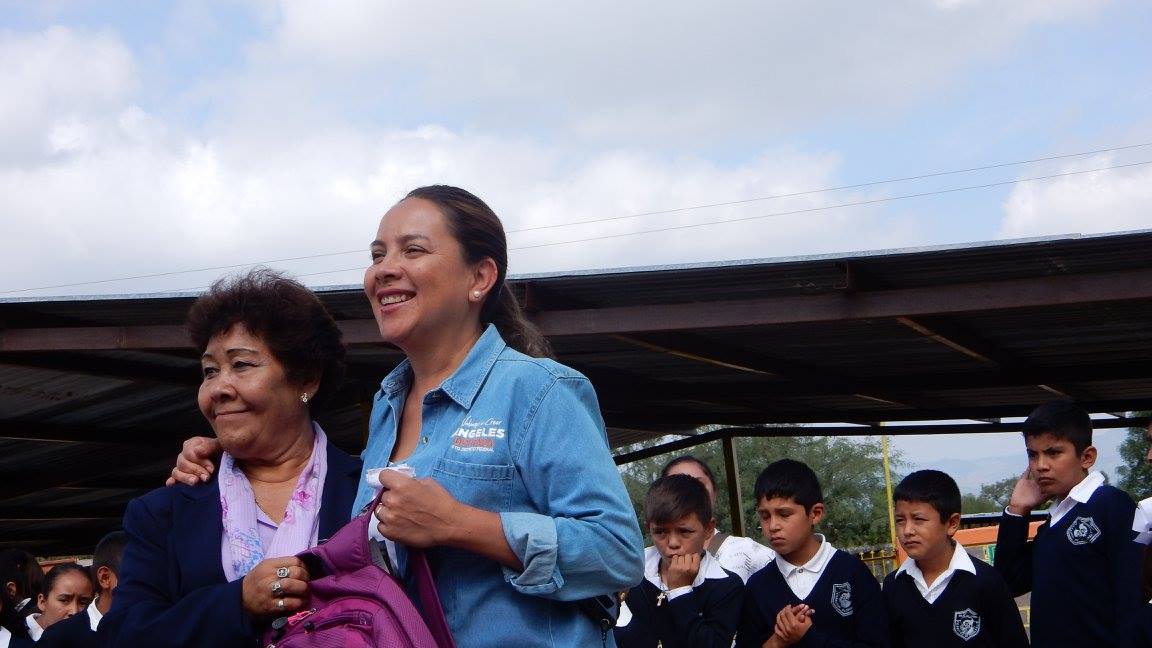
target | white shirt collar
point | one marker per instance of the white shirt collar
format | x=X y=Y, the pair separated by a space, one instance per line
x=94 y=615
x=709 y=568
x=34 y=629
x=1079 y=494
x=815 y=565
x=5 y=637
x=1083 y=491
x=960 y=561
x=1142 y=522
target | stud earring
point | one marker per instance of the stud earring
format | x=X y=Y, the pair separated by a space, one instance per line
x=475 y=294
x=304 y=398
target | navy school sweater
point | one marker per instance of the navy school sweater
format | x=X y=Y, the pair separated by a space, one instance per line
x=706 y=617
x=849 y=608
x=974 y=610
x=1138 y=632
x=1083 y=572
x=73 y=632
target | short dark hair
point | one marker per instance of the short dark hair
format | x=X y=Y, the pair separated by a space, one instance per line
x=932 y=487
x=675 y=497
x=789 y=479
x=288 y=317
x=690 y=459
x=108 y=552
x=1063 y=419
x=59 y=570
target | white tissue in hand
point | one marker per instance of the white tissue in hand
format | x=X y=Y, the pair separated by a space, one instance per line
x=372 y=478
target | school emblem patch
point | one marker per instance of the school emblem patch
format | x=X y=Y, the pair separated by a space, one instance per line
x=966 y=624
x=842 y=598
x=1082 y=531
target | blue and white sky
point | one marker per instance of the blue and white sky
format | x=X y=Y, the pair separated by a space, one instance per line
x=148 y=136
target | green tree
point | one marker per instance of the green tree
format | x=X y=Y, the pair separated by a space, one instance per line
x=1135 y=473
x=850 y=470
x=992 y=498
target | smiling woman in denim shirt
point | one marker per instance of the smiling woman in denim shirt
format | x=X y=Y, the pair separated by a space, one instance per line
x=515 y=491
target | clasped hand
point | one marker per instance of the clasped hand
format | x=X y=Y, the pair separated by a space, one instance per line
x=416 y=512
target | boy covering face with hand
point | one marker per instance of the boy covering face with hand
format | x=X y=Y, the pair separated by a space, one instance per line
x=686 y=598
x=1083 y=567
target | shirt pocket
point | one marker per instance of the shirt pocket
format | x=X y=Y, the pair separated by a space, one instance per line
x=485 y=486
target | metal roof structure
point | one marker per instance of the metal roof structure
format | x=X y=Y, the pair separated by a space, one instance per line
x=97 y=393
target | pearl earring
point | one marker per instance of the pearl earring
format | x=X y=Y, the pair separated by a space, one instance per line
x=304 y=398
x=475 y=294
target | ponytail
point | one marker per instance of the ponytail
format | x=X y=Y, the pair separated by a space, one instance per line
x=503 y=310
x=481 y=235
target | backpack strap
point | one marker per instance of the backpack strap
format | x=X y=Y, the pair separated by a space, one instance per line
x=429 y=598
x=716 y=541
x=349 y=549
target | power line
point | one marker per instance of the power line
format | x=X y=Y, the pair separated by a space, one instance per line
x=829 y=207
x=830 y=189
x=638 y=215
x=791 y=212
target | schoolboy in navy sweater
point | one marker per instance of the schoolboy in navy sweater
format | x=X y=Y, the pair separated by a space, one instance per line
x=686 y=600
x=812 y=594
x=941 y=596
x=1083 y=568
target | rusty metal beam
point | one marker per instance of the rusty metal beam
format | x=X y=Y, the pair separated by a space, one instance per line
x=881 y=304
x=849 y=430
x=884 y=304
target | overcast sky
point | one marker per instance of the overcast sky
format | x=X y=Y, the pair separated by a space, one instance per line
x=145 y=137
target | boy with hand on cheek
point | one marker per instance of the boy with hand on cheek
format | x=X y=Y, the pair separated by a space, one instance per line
x=812 y=594
x=1083 y=568
x=941 y=596
x=686 y=599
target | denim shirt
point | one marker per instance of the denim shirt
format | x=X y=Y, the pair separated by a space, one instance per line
x=523 y=437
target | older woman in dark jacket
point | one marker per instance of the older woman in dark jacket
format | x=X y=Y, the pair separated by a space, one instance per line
x=209 y=566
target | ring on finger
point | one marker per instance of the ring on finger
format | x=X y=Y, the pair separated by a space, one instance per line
x=281 y=572
x=277 y=589
x=279 y=604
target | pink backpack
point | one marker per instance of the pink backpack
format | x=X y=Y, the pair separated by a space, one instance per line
x=353 y=602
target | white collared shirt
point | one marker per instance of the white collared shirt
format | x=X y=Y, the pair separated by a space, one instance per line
x=961 y=561
x=5 y=637
x=94 y=615
x=34 y=629
x=1142 y=522
x=1079 y=494
x=801 y=579
x=743 y=556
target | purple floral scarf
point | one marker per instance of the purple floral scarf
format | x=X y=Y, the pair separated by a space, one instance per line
x=297 y=532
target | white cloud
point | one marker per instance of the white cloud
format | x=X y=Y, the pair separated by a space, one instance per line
x=1100 y=201
x=646 y=72
x=55 y=82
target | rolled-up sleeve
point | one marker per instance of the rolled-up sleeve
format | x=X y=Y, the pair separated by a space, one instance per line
x=582 y=539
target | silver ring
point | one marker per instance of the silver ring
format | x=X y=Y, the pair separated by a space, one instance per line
x=277 y=589
x=281 y=572
x=279 y=604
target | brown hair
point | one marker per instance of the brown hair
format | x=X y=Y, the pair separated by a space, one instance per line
x=285 y=315
x=481 y=234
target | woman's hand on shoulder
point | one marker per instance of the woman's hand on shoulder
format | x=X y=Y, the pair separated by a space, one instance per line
x=416 y=512
x=196 y=461
x=275 y=587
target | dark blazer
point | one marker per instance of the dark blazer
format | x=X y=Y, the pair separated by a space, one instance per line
x=73 y=632
x=172 y=590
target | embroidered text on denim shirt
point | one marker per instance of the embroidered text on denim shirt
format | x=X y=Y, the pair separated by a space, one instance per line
x=477 y=435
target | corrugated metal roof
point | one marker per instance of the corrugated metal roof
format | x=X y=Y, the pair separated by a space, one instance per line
x=84 y=430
